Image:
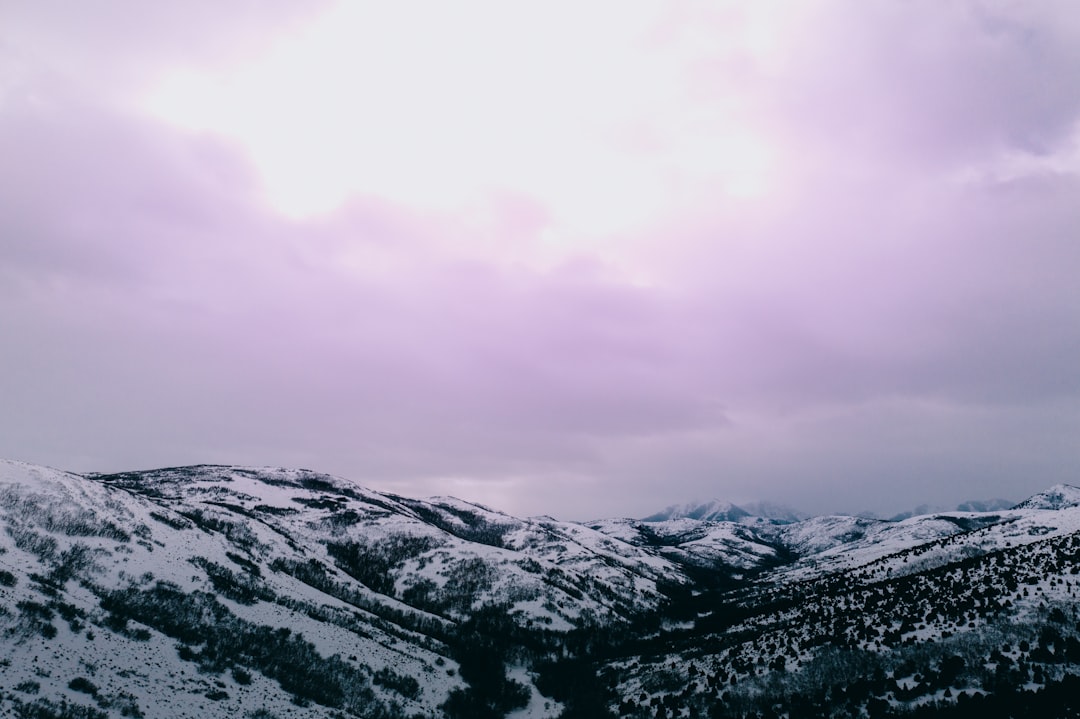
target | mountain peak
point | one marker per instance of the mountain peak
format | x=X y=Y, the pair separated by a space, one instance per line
x=718 y=510
x=712 y=511
x=1060 y=496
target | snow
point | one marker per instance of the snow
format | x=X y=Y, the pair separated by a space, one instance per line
x=715 y=510
x=539 y=706
x=1060 y=496
x=138 y=529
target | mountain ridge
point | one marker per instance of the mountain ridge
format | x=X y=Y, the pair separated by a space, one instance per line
x=717 y=510
x=117 y=589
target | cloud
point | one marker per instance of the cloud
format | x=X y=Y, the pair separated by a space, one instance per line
x=894 y=310
x=92 y=191
x=167 y=304
x=110 y=49
x=928 y=83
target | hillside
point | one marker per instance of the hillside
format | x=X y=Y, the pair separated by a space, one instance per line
x=214 y=591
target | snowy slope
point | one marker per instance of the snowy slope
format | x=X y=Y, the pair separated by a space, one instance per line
x=372 y=588
x=715 y=545
x=75 y=547
x=1061 y=496
x=213 y=591
x=904 y=615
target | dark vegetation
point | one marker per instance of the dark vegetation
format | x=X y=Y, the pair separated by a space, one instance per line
x=370 y=564
x=482 y=646
x=210 y=635
x=849 y=644
x=462 y=523
x=45 y=709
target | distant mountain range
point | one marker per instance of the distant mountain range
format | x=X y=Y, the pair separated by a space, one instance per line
x=986 y=505
x=720 y=511
x=258 y=593
x=714 y=511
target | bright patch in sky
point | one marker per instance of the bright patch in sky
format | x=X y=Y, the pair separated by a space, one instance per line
x=444 y=106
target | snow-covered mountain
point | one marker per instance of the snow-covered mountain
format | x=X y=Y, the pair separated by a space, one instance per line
x=714 y=511
x=974 y=505
x=1061 y=496
x=717 y=510
x=181 y=576
x=213 y=591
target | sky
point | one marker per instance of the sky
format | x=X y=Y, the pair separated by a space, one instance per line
x=583 y=259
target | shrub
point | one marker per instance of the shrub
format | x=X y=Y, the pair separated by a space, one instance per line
x=404 y=685
x=45 y=709
x=34 y=609
x=82 y=684
x=242 y=588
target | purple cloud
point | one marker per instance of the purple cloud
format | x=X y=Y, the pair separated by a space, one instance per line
x=894 y=313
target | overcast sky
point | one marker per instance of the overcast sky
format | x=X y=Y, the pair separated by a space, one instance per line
x=579 y=258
